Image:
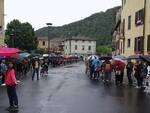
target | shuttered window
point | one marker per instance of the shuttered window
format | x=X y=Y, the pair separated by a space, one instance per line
x=139 y=17
x=139 y=45
x=129 y=22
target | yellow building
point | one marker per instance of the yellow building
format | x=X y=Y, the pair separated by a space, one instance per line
x=2 y=22
x=133 y=31
x=55 y=44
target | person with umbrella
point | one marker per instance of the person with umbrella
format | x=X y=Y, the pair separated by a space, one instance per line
x=3 y=69
x=97 y=67
x=147 y=87
x=92 y=62
x=119 y=71
x=129 y=68
x=107 y=71
x=137 y=74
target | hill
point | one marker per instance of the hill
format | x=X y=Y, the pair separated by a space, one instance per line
x=97 y=26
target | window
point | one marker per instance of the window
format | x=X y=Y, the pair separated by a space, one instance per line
x=43 y=43
x=138 y=46
x=139 y=17
x=129 y=22
x=1 y=28
x=76 y=41
x=76 y=47
x=66 y=47
x=89 y=41
x=124 y=2
x=123 y=27
x=83 y=48
x=82 y=41
x=148 y=43
x=129 y=43
x=89 y=48
x=121 y=47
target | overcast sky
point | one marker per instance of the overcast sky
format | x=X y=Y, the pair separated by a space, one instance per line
x=58 y=12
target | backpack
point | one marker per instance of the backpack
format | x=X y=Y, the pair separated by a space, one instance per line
x=107 y=67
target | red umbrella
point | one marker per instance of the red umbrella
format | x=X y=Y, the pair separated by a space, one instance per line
x=4 y=51
x=120 y=63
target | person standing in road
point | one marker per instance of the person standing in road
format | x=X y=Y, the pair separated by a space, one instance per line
x=137 y=74
x=11 y=82
x=3 y=69
x=129 y=68
x=36 y=66
x=147 y=87
x=91 y=66
x=107 y=71
x=86 y=65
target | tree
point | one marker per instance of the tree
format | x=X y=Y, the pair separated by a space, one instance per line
x=106 y=49
x=20 y=35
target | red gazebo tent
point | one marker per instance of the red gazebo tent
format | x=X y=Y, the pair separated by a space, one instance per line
x=5 y=51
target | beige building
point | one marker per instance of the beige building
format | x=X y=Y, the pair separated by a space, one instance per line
x=2 y=34
x=133 y=30
x=80 y=46
x=117 y=35
x=55 y=44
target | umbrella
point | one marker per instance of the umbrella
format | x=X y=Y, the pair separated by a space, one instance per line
x=93 y=57
x=146 y=58
x=4 y=51
x=120 y=63
x=24 y=55
x=120 y=57
x=2 y=57
x=119 y=60
x=137 y=56
x=105 y=58
x=45 y=55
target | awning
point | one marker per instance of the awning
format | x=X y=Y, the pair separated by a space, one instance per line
x=4 y=51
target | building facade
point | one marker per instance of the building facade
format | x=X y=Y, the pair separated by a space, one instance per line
x=56 y=44
x=133 y=30
x=117 y=35
x=79 y=46
x=2 y=34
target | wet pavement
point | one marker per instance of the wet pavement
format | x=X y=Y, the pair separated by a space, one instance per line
x=68 y=90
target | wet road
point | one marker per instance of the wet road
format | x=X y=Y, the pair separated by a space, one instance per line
x=68 y=90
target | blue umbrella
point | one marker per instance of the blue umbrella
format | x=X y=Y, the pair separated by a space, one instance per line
x=24 y=55
x=2 y=57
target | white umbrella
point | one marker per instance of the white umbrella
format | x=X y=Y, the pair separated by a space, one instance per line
x=93 y=57
x=45 y=55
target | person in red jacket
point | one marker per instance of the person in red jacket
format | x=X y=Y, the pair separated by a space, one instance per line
x=11 y=82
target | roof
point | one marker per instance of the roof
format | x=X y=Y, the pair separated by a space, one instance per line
x=54 y=39
x=81 y=38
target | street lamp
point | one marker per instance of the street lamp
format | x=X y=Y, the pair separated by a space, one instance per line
x=69 y=34
x=48 y=24
x=12 y=36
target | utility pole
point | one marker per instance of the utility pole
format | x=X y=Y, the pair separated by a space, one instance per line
x=69 y=42
x=48 y=24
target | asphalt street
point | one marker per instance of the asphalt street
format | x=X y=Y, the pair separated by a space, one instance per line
x=68 y=90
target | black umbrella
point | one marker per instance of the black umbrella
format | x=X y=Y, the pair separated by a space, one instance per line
x=134 y=57
x=146 y=58
x=105 y=58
